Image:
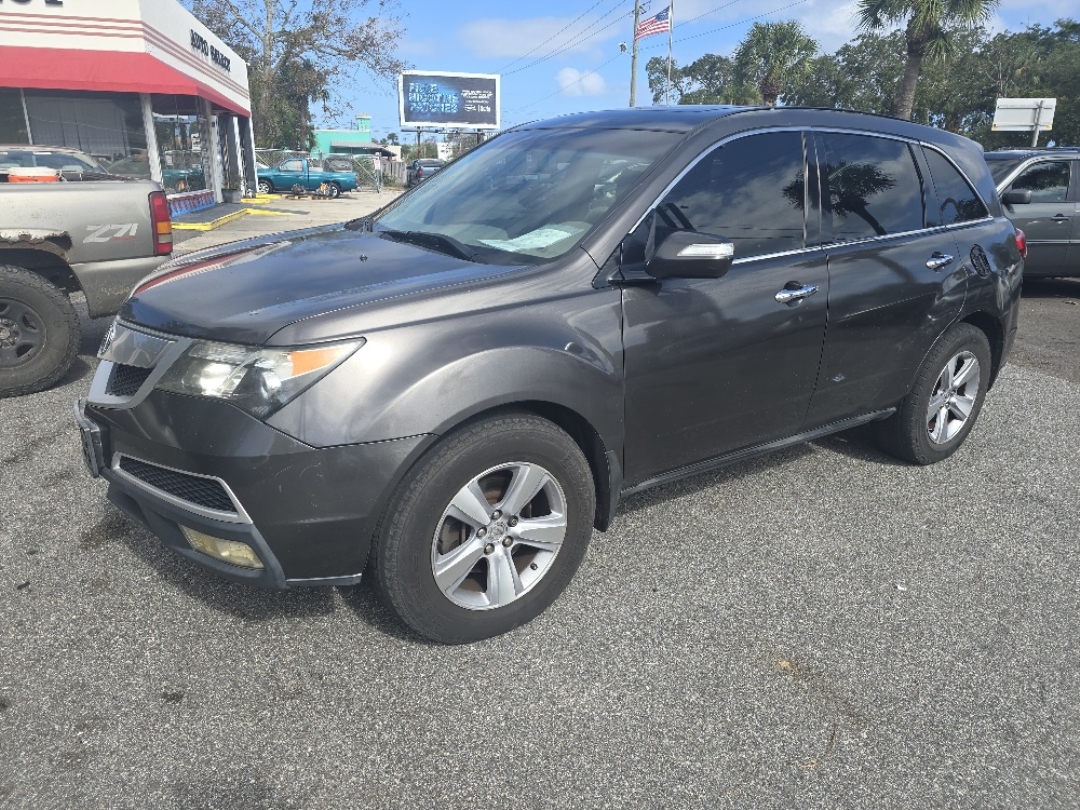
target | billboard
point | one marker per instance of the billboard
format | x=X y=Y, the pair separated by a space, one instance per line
x=460 y=100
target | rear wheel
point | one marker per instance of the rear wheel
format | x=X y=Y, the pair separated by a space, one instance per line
x=939 y=413
x=39 y=332
x=334 y=190
x=487 y=531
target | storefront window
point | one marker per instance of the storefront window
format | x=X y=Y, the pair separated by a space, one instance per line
x=107 y=126
x=183 y=140
x=12 y=120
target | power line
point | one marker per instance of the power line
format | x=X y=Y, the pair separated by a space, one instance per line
x=577 y=40
x=654 y=47
x=731 y=25
x=542 y=44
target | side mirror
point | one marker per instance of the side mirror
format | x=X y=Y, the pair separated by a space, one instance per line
x=686 y=254
x=1017 y=197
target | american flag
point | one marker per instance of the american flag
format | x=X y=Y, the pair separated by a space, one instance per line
x=656 y=24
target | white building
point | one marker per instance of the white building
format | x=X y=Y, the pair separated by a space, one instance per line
x=140 y=84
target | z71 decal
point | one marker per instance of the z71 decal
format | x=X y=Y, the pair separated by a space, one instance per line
x=111 y=233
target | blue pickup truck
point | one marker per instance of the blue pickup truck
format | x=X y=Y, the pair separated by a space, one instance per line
x=308 y=175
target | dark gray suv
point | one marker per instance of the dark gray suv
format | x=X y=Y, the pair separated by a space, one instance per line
x=453 y=393
x=1040 y=191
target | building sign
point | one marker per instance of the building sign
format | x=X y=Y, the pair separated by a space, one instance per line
x=199 y=43
x=449 y=99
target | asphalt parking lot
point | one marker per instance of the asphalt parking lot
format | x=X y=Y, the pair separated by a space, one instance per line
x=821 y=628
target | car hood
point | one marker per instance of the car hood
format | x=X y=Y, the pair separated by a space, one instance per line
x=246 y=292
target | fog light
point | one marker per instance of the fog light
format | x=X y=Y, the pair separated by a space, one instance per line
x=228 y=551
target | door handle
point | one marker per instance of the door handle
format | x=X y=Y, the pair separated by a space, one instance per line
x=938 y=260
x=795 y=293
x=1059 y=218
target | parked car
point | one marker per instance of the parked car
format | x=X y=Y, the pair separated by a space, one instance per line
x=67 y=161
x=98 y=237
x=454 y=392
x=181 y=175
x=420 y=170
x=308 y=175
x=1040 y=190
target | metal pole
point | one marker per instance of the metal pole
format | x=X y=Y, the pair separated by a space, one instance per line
x=670 y=35
x=1038 y=120
x=633 y=56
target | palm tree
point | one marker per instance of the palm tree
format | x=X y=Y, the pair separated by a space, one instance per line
x=772 y=56
x=926 y=33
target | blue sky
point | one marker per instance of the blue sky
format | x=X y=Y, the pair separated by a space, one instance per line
x=561 y=56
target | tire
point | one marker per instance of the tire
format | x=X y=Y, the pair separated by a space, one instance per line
x=935 y=418
x=434 y=522
x=39 y=332
x=334 y=190
x=266 y=187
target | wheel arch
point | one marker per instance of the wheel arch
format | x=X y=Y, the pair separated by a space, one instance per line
x=48 y=264
x=995 y=336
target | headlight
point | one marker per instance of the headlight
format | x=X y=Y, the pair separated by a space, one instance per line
x=259 y=381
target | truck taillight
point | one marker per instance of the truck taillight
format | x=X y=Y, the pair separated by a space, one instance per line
x=161 y=223
x=1021 y=243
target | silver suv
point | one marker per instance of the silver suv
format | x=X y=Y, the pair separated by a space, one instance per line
x=1040 y=192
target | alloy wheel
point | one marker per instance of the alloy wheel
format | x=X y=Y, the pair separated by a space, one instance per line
x=953 y=398
x=499 y=536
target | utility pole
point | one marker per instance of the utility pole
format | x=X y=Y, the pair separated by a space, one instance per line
x=633 y=56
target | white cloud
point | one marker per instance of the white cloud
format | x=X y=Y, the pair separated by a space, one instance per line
x=575 y=82
x=535 y=37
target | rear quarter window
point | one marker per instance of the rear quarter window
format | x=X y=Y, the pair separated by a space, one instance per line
x=956 y=199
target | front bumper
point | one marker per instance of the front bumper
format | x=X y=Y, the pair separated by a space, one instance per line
x=309 y=513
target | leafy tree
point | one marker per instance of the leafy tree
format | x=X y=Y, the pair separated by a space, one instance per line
x=927 y=33
x=861 y=75
x=707 y=80
x=392 y=138
x=300 y=51
x=773 y=56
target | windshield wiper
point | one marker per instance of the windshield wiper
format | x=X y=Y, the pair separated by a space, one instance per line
x=435 y=241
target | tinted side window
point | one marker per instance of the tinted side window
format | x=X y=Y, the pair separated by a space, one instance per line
x=749 y=190
x=957 y=201
x=1048 y=182
x=870 y=187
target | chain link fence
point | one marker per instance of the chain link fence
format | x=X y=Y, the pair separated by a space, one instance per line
x=372 y=172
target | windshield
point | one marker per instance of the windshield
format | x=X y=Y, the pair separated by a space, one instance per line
x=526 y=197
x=1000 y=168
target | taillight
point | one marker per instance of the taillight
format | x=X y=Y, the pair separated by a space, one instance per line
x=420 y=171
x=1021 y=243
x=161 y=223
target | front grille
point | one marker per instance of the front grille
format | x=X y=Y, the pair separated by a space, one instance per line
x=204 y=492
x=126 y=380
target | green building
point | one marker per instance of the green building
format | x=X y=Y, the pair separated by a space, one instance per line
x=356 y=141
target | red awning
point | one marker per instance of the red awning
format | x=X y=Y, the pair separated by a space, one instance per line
x=111 y=71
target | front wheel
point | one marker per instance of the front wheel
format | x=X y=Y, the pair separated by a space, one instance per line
x=487 y=531
x=939 y=413
x=39 y=332
x=265 y=187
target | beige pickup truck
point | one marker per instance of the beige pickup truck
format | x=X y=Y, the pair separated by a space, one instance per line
x=96 y=235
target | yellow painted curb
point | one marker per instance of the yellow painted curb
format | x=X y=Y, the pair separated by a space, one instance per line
x=212 y=224
x=261 y=213
x=259 y=199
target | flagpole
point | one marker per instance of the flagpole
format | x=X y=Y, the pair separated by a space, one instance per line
x=670 y=35
x=633 y=56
